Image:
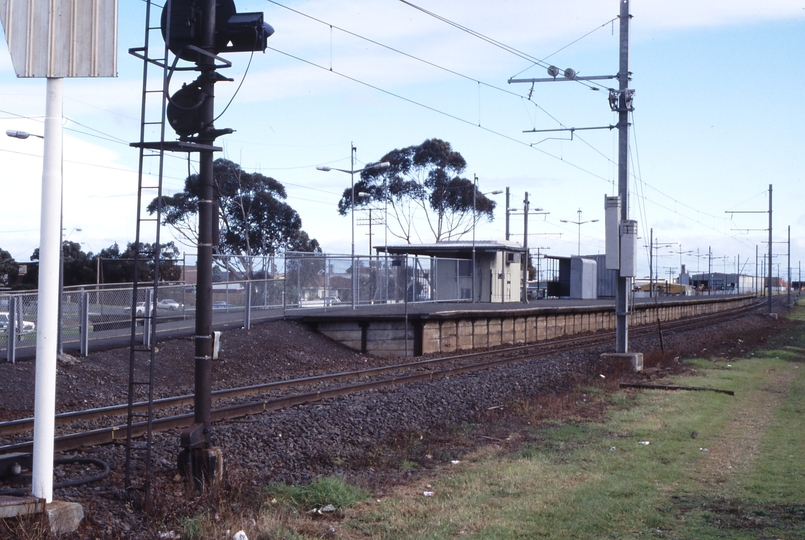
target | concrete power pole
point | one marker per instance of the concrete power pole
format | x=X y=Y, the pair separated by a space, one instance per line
x=507 y=213
x=620 y=101
x=524 y=288
x=624 y=106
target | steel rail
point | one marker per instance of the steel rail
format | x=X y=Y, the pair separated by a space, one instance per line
x=26 y=424
x=116 y=433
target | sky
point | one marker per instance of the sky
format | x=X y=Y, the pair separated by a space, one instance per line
x=717 y=118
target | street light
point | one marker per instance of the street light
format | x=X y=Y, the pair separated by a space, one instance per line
x=47 y=294
x=579 y=223
x=351 y=172
x=474 y=222
x=21 y=134
x=680 y=252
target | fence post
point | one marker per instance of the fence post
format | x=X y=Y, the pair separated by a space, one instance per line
x=247 y=319
x=149 y=312
x=84 y=324
x=326 y=283
x=284 y=282
x=11 y=331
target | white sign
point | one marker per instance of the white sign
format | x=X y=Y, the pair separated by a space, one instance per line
x=61 y=38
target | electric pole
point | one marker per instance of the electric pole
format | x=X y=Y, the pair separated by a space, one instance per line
x=620 y=101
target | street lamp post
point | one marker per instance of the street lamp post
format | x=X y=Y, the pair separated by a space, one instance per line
x=47 y=295
x=579 y=223
x=351 y=172
x=680 y=252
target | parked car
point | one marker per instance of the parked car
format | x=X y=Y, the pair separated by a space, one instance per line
x=220 y=304
x=139 y=310
x=332 y=300
x=27 y=326
x=170 y=304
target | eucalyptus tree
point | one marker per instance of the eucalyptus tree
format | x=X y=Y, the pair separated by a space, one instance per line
x=422 y=181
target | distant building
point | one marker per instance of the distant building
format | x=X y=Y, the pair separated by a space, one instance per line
x=719 y=281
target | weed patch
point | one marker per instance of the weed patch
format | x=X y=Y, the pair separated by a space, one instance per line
x=321 y=492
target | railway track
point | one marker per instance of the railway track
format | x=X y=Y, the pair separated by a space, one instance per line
x=238 y=402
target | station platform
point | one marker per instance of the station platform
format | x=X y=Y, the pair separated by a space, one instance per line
x=423 y=328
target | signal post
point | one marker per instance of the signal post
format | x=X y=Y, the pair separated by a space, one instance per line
x=197 y=31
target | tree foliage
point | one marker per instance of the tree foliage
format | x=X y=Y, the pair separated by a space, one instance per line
x=9 y=269
x=78 y=267
x=424 y=179
x=118 y=266
x=254 y=219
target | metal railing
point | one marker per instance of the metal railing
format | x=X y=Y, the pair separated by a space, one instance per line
x=324 y=281
x=97 y=315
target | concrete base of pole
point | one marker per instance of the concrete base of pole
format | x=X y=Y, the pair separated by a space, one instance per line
x=63 y=517
x=633 y=361
x=20 y=506
x=204 y=467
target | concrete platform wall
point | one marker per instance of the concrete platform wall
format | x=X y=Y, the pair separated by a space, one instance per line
x=458 y=331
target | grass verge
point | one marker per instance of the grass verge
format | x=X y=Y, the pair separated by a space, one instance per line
x=599 y=463
x=661 y=465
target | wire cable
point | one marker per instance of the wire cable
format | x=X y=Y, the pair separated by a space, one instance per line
x=499 y=44
x=395 y=50
x=437 y=111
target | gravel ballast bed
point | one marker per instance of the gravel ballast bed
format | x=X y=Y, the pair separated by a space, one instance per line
x=360 y=436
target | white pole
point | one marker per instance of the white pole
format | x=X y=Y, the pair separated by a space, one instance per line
x=48 y=301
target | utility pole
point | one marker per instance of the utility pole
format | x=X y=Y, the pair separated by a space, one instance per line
x=620 y=100
x=525 y=249
x=770 y=241
x=651 y=263
x=624 y=100
x=507 y=213
x=526 y=211
x=539 y=258
x=763 y=276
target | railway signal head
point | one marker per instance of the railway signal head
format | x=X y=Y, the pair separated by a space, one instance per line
x=182 y=29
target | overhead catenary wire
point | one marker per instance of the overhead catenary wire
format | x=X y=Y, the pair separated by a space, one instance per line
x=435 y=110
x=642 y=184
x=501 y=45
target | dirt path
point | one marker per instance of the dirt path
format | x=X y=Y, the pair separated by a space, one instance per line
x=737 y=446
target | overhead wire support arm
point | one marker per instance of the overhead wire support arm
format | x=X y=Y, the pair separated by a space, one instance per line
x=571 y=130
x=565 y=78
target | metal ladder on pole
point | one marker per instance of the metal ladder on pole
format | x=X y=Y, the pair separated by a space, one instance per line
x=152 y=145
x=142 y=354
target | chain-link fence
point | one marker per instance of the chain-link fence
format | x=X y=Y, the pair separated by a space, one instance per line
x=319 y=280
x=91 y=314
